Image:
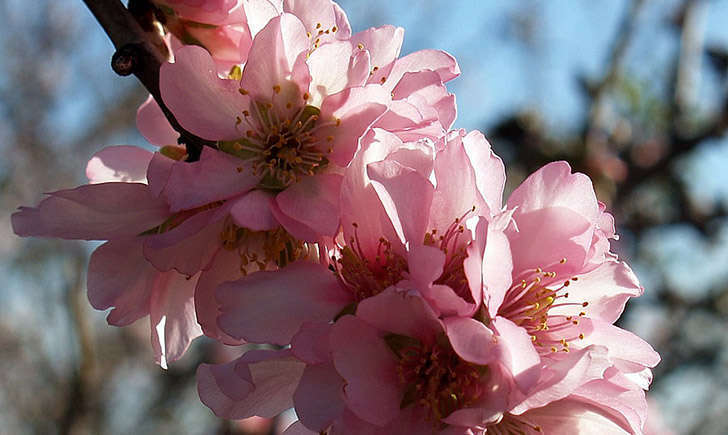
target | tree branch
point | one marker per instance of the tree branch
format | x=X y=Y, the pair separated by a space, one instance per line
x=138 y=52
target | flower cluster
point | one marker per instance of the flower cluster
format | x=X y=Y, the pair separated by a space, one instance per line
x=341 y=222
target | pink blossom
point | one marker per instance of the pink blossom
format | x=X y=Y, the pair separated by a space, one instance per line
x=391 y=253
x=157 y=261
x=385 y=241
x=562 y=416
x=224 y=27
x=289 y=126
x=120 y=276
x=365 y=373
x=566 y=291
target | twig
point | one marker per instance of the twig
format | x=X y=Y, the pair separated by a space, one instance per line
x=138 y=53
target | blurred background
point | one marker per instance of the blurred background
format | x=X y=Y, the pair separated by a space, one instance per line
x=631 y=92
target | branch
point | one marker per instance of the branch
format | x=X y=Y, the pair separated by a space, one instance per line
x=138 y=53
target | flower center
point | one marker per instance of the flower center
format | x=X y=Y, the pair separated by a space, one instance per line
x=281 y=140
x=455 y=250
x=261 y=250
x=528 y=302
x=367 y=277
x=435 y=377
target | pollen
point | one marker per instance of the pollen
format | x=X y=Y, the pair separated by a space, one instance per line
x=367 y=274
x=434 y=377
x=536 y=302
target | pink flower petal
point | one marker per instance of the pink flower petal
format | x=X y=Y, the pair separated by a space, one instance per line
x=360 y=204
x=446 y=302
x=383 y=44
x=202 y=103
x=92 y=212
x=418 y=156
x=426 y=91
x=546 y=236
x=119 y=163
x=313 y=202
x=456 y=193
x=294 y=227
x=319 y=398
x=260 y=383
x=490 y=174
x=472 y=340
x=225 y=266
x=252 y=211
x=120 y=277
x=330 y=70
x=520 y=357
x=406 y=196
x=369 y=367
x=158 y=173
x=349 y=113
x=400 y=313
x=187 y=248
x=172 y=316
x=425 y=264
x=311 y=343
x=216 y=176
x=438 y=61
x=270 y=307
x=320 y=15
x=153 y=125
x=621 y=344
x=562 y=377
x=574 y=416
x=626 y=406
x=277 y=58
x=555 y=186
x=606 y=289
x=260 y=12
x=497 y=265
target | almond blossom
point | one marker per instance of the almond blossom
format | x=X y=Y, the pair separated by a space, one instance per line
x=290 y=126
x=389 y=201
x=566 y=291
x=119 y=275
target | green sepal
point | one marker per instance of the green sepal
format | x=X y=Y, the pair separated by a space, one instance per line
x=173 y=152
x=482 y=315
x=308 y=112
x=402 y=345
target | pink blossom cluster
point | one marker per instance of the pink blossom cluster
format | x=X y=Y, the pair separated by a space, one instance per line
x=340 y=222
